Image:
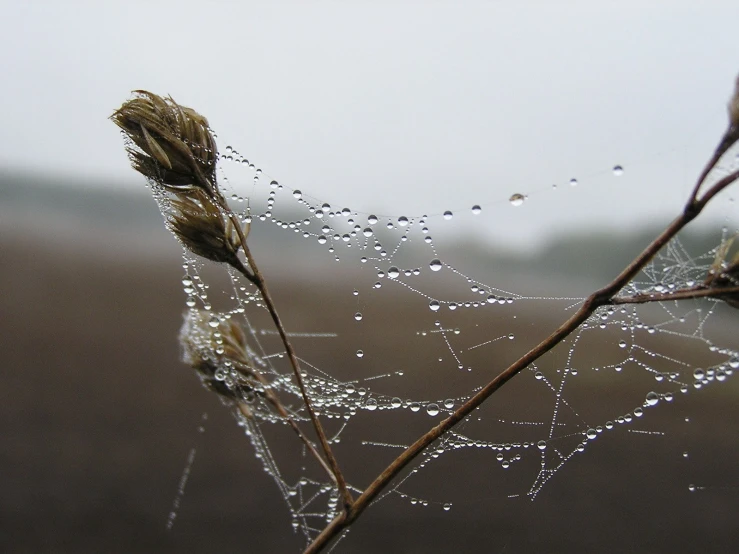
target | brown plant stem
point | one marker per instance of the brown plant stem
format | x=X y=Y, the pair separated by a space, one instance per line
x=601 y=297
x=255 y=276
x=273 y=399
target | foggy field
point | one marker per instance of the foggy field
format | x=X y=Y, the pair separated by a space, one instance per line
x=99 y=415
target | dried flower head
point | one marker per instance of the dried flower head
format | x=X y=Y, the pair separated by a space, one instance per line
x=224 y=365
x=725 y=273
x=170 y=144
x=734 y=106
x=203 y=228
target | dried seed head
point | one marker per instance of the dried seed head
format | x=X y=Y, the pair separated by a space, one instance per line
x=734 y=106
x=203 y=228
x=223 y=366
x=170 y=144
x=724 y=273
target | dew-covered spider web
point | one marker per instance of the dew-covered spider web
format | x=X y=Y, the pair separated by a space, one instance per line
x=397 y=322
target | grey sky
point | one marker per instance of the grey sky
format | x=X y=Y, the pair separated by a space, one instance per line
x=410 y=107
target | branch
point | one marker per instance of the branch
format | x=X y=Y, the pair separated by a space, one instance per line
x=601 y=297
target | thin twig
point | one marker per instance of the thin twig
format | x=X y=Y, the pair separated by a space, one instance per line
x=256 y=277
x=601 y=297
x=273 y=399
x=682 y=294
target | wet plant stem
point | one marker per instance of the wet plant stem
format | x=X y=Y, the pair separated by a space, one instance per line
x=254 y=275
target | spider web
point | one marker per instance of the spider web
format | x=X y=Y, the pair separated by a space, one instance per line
x=413 y=335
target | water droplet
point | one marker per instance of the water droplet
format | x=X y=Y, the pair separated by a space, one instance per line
x=360 y=353
x=297 y=194
x=371 y=404
x=402 y=221
x=591 y=434
x=434 y=305
x=476 y=209
x=367 y=232
x=358 y=316
x=322 y=239
x=618 y=170
x=449 y=403
x=274 y=184
x=541 y=445
x=622 y=344
x=447 y=507
x=393 y=272
x=432 y=410
x=699 y=374
x=448 y=215
x=414 y=406
x=517 y=199
x=435 y=265
x=213 y=321
x=573 y=182
x=372 y=219
x=396 y=402
x=652 y=398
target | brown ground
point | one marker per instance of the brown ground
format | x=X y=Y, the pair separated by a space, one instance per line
x=98 y=416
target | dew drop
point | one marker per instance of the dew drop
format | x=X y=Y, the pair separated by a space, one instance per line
x=297 y=194
x=372 y=219
x=325 y=208
x=618 y=170
x=370 y=404
x=402 y=221
x=573 y=182
x=449 y=403
x=541 y=445
x=274 y=184
x=448 y=215
x=447 y=507
x=396 y=402
x=434 y=305
x=652 y=398
x=213 y=322
x=516 y=199
x=393 y=272
x=476 y=209
x=358 y=316
x=435 y=265
x=360 y=353
x=432 y=410
x=414 y=406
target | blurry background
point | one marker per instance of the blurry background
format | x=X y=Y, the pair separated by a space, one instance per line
x=394 y=109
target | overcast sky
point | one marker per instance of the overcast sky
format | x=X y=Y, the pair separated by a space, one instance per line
x=396 y=107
